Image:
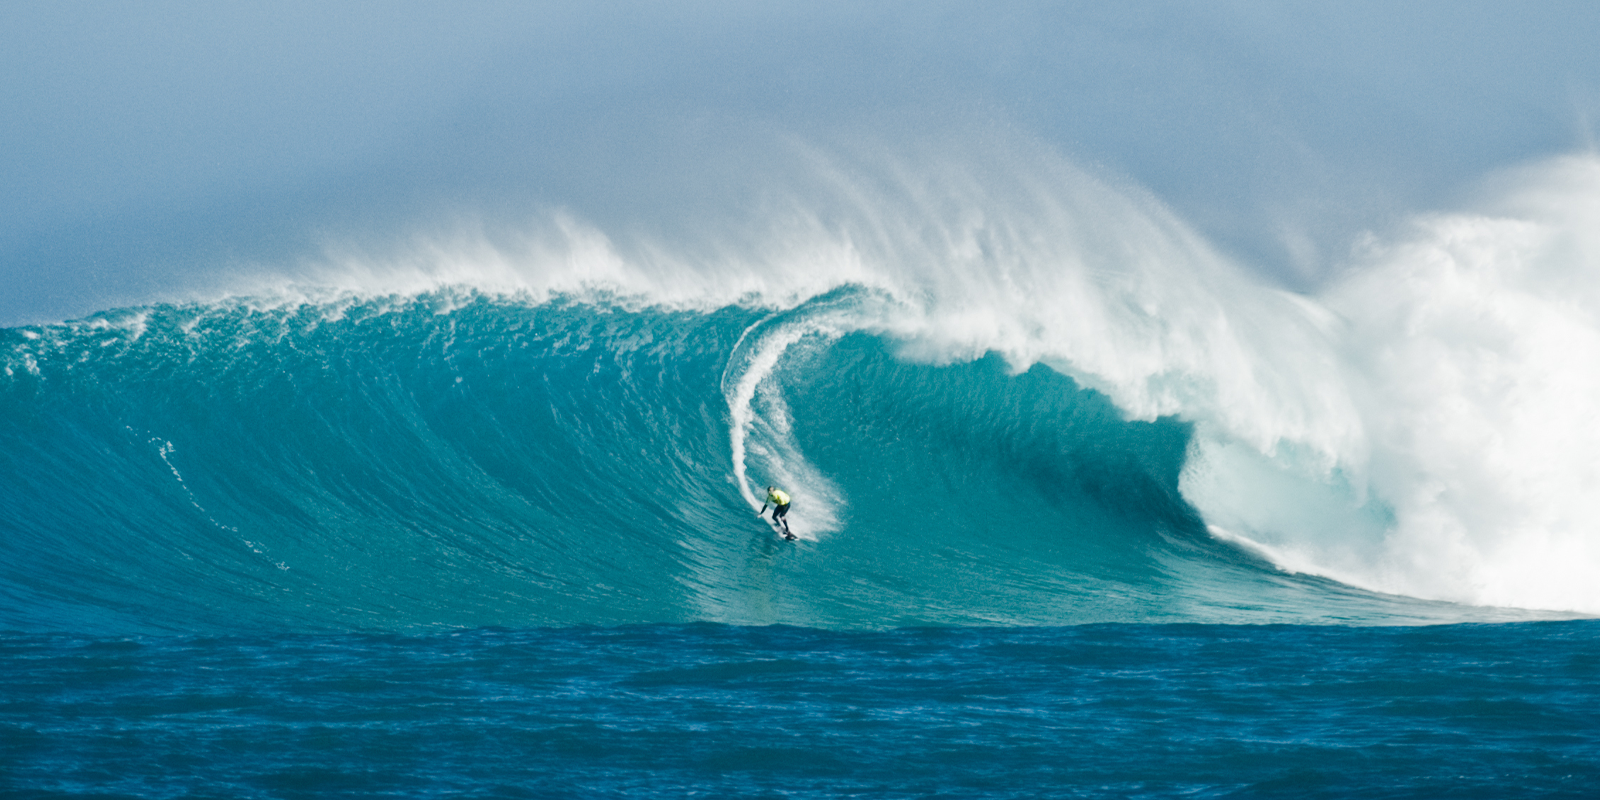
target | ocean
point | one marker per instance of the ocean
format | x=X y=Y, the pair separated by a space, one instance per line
x=667 y=710
x=457 y=542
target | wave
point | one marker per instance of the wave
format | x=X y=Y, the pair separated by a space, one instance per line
x=997 y=394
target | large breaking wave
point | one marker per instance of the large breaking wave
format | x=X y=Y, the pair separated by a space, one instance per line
x=997 y=395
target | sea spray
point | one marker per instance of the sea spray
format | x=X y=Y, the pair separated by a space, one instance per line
x=1476 y=338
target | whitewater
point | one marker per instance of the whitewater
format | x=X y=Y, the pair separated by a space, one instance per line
x=998 y=395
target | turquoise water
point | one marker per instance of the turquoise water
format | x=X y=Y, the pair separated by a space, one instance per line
x=461 y=544
x=457 y=460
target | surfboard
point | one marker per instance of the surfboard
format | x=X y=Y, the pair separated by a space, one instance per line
x=778 y=529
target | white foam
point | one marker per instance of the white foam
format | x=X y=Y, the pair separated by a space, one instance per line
x=1477 y=340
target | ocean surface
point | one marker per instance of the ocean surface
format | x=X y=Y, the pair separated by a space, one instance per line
x=458 y=543
x=1084 y=509
x=1108 y=710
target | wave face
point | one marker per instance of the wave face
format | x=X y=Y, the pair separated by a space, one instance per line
x=452 y=459
x=997 y=396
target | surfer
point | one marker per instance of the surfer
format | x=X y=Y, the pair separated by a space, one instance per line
x=780 y=509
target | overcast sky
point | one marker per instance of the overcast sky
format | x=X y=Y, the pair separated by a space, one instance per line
x=150 y=147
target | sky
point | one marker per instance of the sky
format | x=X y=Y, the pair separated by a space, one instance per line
x=154 y=150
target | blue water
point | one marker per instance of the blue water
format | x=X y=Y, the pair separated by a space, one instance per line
x=456 y=543
x=1118 y=710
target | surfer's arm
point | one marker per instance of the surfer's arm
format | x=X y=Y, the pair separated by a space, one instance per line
x=763 y=510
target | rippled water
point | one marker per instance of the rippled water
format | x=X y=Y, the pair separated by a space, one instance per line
x=1491 y=711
